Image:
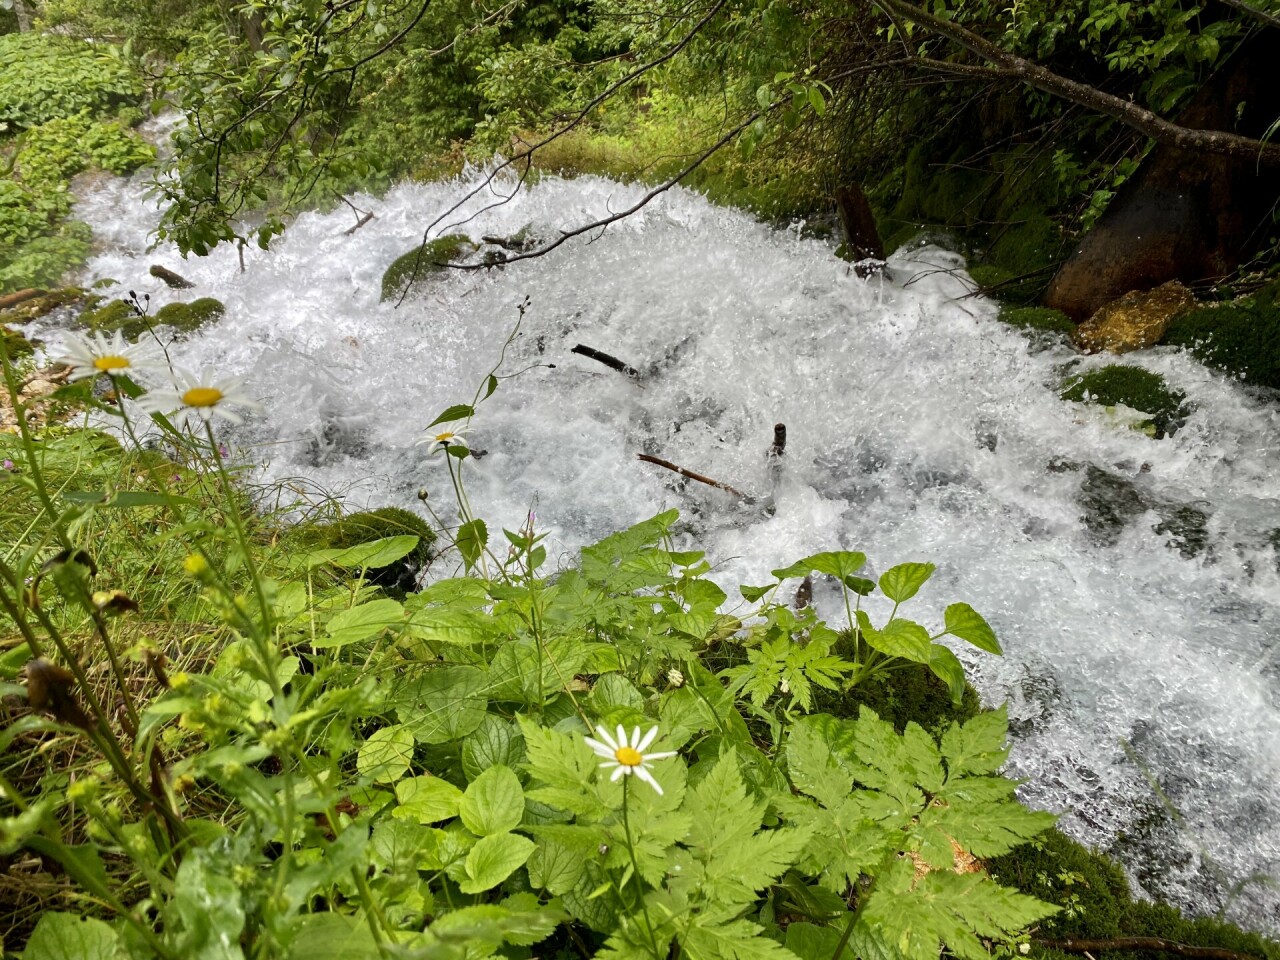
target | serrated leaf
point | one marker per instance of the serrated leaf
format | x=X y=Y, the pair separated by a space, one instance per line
x=979 y=746
x=899 y=638
x=839 y=563
x=493 y=802
x=360 y=623
x=904 y=581
x=493 y=859
x=966 y=623
x=494 y=741
x=67 y=936
x=738 y=940
x=560 y=857
x=459 y=411
x=443 y=703
x=386 y=755
x=426 y=800
x=988 y=829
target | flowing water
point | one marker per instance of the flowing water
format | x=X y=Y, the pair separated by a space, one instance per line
x=1141 y=667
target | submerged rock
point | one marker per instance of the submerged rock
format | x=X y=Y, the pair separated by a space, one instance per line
x=423 y=261
x=1111 y=502
x=1135 y=321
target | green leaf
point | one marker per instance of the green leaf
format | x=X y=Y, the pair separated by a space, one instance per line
x=860 y=585
x=979 y=746
x=493 y=859
x=752 y=594
x=967 y=624
x=66 y=936
x=899 y=638
x=386 y=755
x=443 y=703
x=331 y=936
x=817 y=102
x=493 y=802
x=839 y=564
x=494 y=741
x=738 y=940
x=948 y=669
x=426 y=800
x=904 y=581
x=471 y=540
x=360 y=623
x=459 y=411
x=372 y=555
x=561 y=856
x=207 y=904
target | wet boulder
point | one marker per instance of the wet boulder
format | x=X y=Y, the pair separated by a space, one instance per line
x=1135 y=321
x=423 y=261
x=1161 y=410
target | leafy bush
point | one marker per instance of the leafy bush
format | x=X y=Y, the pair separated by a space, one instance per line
x=44 y=261
x=44 y=77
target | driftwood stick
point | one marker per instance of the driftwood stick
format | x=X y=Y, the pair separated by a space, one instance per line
x=359 y=223
x=613 y=363
x=1144 y=943
x=693 y=476
x=779 y=440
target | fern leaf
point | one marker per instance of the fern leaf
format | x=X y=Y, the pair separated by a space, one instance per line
x=739 y=940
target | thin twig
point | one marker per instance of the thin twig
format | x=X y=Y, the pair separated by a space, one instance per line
x=694 y=476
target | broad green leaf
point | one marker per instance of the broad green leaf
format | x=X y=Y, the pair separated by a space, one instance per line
x=371 y=555
x=208 y=908
x=493 y=802
x=899 y=638
x=386 y=755
x=615 y=690
x=808 y=941
x=800 y=568
x=904 y=581
x=493 y=859
x=752 y=594
x=471 y=540
x=443 y=703
x=860 y=585
x=426 y=800
x=561 y=856
x=450 y=625
x=967 y=624
x=839 y=564
x=67 y=936
x=948 y=669
x=495 y=741
x=459 y=411
x=331 y=936
x=360 y=623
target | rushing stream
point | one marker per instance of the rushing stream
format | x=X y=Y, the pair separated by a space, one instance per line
x=920 y=428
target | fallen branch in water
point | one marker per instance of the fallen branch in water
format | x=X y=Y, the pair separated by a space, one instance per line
x=695 y=476
x=172 y=280
x=612 y=362
x=1144 y=943
x=360 y=220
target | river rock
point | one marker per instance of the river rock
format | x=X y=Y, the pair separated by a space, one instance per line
x=422 y=261
x=1136 y=321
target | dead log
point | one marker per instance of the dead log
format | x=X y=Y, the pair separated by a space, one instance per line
x=171 y=280
x=20 y=296
x=613 y=363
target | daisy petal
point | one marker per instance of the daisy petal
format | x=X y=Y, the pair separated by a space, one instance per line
x=648 y=739
x=617 y=774
x=622 y=736
x=647 y=777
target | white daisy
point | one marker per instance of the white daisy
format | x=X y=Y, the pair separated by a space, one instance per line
x=200 y=397
x=627 y=757
x=446 y=438
x=92 y=354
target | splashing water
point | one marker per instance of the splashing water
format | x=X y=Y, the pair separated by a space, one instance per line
x=1141 y=665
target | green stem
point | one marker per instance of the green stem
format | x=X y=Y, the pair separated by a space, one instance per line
x=635 y=868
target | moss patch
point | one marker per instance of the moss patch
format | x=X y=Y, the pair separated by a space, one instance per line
x=1097 y=904
x=189 y=317
x=1135 y=388
x=429 y=259
x=1240 y=338
x=911 y=693
x=1037 y=320
x=14 y=344
x=365 y=527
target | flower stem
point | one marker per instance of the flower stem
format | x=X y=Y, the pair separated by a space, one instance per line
x=635 y=868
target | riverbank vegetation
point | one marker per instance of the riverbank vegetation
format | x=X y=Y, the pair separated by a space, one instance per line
x=232 y=734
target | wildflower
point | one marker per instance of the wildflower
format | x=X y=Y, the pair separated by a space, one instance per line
x=675 y=677
x=91 y=355
x=199 y=397
x=7 y=465
x=627 y=757
x=443 y=440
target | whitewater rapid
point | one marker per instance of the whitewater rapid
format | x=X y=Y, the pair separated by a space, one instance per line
x=920 y=428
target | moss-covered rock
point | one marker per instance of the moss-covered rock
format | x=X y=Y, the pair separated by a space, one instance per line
x=1135 y=388
x=1240 y=338
x=366 y=527
x=189 y=317
x=112 y=316
x=1097 y=904
x=429 y=259
x=911 y=693
x=14 y=344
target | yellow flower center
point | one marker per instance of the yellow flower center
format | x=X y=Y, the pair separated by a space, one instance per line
x=445 y=437
x=111 y=363
x=628 y=756
x=202 y=396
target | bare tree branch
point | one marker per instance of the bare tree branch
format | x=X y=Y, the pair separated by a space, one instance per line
x=1249 y=10
x=1127 y=112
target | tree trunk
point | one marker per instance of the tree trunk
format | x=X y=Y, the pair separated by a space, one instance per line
x=23 y=15
x=1186 y=215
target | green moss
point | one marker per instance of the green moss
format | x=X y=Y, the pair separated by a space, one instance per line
x=1037 y=319
x=1135 y=388
x=428 y=260
x=1096 y=903
x=189 y=317
x=909 y=693
x=365 y=527
x=112 y=316
x=1241 y=338
x=14 y=344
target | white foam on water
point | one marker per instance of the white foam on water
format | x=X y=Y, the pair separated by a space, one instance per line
x=1127 y=664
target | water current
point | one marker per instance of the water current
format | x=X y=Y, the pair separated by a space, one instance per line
x=1141 y=670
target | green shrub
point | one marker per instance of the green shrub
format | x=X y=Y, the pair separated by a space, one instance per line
x=366 y=527
x=44 y=261
x=44 y=77
x=1241 y=338
x=1134 y=387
